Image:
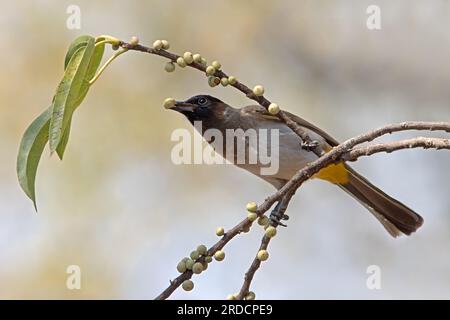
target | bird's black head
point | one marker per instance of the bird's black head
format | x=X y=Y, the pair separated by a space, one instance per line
x=200 y=107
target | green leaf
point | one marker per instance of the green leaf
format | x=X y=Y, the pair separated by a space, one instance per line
x=79 y=42
x=69 y=91
x=96 y=59
x=64 y=140
x=80 y=65
x=90 y=73
x=33 y=142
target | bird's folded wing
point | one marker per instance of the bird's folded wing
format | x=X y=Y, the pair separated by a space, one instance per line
x=259 y=111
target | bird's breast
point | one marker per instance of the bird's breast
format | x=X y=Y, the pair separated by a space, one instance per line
x=270 y=152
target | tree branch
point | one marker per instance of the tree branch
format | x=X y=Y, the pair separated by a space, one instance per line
x=419 y=142
x=238 y=85
x=174 y=284
x=338 y=152
x=352 y=155
x=248 y=278
x=346 y=151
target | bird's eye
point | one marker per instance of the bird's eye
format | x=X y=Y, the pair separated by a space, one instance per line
x=202 y=101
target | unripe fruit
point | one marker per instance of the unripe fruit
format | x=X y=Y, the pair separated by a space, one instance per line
x=157 y=45
x=188 y=58
x=202 y=249
x=210 y=70
x=115 y=47
x=271 y=232
x=273 y=108
x=197 y=57
x=231 y=297
x=246 y=229
x=169 y=67
x=232 y=80
x=165 y=44
x=181 y=267
x=195 y=255
x=258 y=90
x=252 y=216
x=213 y=81
x=220 y=231
x=263 y=221
x=219 y=255
x=216 y=64
x=224 y=81
x=134 y=40
x=262 y=255
x=189 y=264
x=250 y=296
x=205 y=266
x=185 y=259
x=208 y=259
x=204 y=62
x=169 y=103
x=181 y=62
x=252 y=207
x=197 y=268
x=187 y=285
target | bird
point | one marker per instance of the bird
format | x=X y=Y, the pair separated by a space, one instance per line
x=213 y=113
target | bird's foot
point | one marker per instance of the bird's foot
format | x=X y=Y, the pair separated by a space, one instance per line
x=276 y=221
x=309 y=145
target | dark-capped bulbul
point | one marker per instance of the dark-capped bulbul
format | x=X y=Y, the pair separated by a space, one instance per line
x=214 y=114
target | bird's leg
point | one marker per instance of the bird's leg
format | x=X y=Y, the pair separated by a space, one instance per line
x=277 y=213
x=274 y=215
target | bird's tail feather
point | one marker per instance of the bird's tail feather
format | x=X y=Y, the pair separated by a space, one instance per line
x=393 y=215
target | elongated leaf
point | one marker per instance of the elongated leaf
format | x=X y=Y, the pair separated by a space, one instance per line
x=33 y=142
x=96 y=59
x=80 y=65
x=90 y=73
x=64 y=140
x=79 y=42
x=68 y=93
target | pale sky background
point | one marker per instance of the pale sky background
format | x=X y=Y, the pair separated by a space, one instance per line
x=117 y=206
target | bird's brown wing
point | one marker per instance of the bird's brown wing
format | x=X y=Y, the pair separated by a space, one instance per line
x=259 y=111
x=394 y=216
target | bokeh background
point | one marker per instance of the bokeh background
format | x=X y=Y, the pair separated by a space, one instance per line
x=117 y=206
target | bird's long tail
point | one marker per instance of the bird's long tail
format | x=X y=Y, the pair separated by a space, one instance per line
x=394 y=216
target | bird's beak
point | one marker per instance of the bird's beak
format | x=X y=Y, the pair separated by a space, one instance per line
x=182 y=106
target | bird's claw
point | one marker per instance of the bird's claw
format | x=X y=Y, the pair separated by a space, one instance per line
x=309 y=145
x=275 y=221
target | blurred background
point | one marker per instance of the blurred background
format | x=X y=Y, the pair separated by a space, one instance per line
x=117 y=206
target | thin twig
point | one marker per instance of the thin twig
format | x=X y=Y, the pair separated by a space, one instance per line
x=337 y=153
x=419 y=142
x=248 y=278
x=256 y=263
x=107 y=63
x=354 y=154
x=174 y=284
x=238 y=85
